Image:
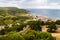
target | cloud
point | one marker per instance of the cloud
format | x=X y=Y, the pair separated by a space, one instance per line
x=38 y=4
x=42 y=4
x=8 y=3
x=58 y=1
x=33 y=3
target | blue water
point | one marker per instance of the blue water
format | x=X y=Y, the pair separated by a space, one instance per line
x=51 y=13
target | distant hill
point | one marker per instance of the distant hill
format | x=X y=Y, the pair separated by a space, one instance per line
x=12 y=11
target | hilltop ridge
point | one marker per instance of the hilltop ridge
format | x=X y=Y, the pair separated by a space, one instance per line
x=12 y=11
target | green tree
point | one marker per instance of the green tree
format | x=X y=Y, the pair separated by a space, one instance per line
x=57 y=22
x=35 y=25
x=52 y=27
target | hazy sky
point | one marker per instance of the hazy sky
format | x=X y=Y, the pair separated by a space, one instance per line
x=48 y=4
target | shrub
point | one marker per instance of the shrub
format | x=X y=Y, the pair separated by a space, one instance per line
x=52 y=27
x=12 y=36
x=36 y=35
x=35 y=25
x=44 y=36
x=57 y=22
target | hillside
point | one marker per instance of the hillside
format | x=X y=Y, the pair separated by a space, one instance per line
x=12 y=11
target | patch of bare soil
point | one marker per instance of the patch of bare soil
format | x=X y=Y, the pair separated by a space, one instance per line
x=57 y=34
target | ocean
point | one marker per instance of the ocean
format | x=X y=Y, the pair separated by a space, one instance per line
x=50 y=13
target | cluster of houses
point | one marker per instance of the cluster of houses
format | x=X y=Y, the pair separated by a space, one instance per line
x=35 y=17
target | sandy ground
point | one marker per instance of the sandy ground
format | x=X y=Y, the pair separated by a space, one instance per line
x=57 y=34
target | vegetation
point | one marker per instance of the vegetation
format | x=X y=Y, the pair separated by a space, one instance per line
x=37 y=35
x=52 y=27
x=12 y=23
x=35 y=25
x=12 y=11
x=58 y=22
x=8 y=21
x=30 y=35
x=12 y=36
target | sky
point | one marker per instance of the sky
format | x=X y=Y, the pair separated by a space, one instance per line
x=32 y=4
x=35 y=4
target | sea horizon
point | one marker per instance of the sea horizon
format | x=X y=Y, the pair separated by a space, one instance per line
x=49 y=13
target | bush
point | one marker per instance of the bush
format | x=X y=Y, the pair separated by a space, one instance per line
x=52 y=27
x=13 y=28
x=36 y=35
x=44 y=36
x=57 y=22
x=30 y=35
x=35 y=25
x=12 y=36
